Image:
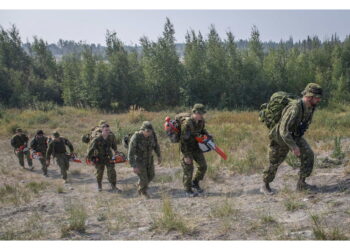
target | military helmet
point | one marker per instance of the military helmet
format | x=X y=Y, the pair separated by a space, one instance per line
x=101 y=122
x=56 y=134
x=39 y=132
x=312 y=89
x=18 y=130
x=199 y=108
x=146 y=125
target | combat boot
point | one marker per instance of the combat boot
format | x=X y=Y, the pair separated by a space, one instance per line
x=99 y=186
x=266 y=189
x=195 y=185
x=114 y=189
x=145 y=194
x=189 y=193
x=302 y=185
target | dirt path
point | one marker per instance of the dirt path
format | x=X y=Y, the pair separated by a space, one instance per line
x=232 y=208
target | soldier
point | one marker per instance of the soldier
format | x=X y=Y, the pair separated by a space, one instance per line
x=95 y=132
x=287 y=134
x=100 y=153
x=192 y=127
x=39 y=144
x=19 y=142
x=141 y=146
x=57 y=148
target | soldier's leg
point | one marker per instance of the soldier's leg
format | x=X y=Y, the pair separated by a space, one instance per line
x=111 y=174
x=277 y=154
x=150 y=171
x=187 y=165
x=307 y=164
x=99 y=174
x=20 y=157
x=143 y=180
x=62 y=165
x=202 y=166
x=29 y=160
x=43 y=165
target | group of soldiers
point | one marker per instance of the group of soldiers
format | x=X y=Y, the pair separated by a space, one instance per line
x=284 y=137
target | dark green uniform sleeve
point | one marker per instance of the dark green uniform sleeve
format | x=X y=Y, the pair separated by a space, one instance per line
x=13 y=142
x=185 y=138
x=91 y=149
x=69 y=144
x=132 y=150
x=156 y=147
x=33 y=144
x=114 y=143
x=288 y=121
x=49 y=151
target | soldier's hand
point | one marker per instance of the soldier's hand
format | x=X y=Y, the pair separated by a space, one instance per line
x=296 y=151
x=187 y=160
x=136 y=170
x=47 y=163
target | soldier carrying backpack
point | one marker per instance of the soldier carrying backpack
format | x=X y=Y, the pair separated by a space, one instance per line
x=288 y=118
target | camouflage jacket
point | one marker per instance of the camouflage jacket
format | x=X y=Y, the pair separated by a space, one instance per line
x=39 y=144
x=189 y=130
x=102 y=149
x=289 y=127
x=58 y=147
x=141 y=149
x=19 y=140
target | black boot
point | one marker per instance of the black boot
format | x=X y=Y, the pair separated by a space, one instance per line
x=302 y=185
x=195 y=185
x=114 y=188
x=99 y=186
x=189 y=193
x=265 y=189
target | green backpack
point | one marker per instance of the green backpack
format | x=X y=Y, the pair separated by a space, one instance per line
x=270 y=113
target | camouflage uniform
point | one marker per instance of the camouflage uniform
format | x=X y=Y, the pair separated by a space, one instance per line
x=190 y=149
x=39 y=144
x=57 y=148
x=20 y=140
x=100 y=153
x=140 y=155
x=286 y=136
x=97 y=131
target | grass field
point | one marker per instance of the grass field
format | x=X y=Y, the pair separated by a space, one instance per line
x=35 y=207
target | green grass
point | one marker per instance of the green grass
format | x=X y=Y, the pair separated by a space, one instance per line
x=322 y=232
x=169 y=220
x=224 y=210
x=77 y=216
x=292 y=204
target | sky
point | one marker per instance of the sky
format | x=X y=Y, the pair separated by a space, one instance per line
x=90 y=26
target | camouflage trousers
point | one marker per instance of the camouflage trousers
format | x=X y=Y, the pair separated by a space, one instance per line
x=189 y=168
x=43 y=164
x=20 y=155
x=63 y=162
x=146 y=175
x=278 y=152
x=111 y=173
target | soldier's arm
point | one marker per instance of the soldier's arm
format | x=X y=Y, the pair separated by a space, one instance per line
x=91 y=149
x=185 y=138
x=33 y=144
x=156 y=147
x=69 y=144
x=288 y=120
x=13 y=142
x=49 y=151
x=132 y=150
x=114 y=143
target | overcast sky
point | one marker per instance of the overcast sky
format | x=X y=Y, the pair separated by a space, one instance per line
x=91 y=25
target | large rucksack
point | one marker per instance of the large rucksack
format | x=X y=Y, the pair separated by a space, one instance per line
x=173 y=127
x=270 y=113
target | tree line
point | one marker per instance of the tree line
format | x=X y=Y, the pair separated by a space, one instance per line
x=213 y=71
